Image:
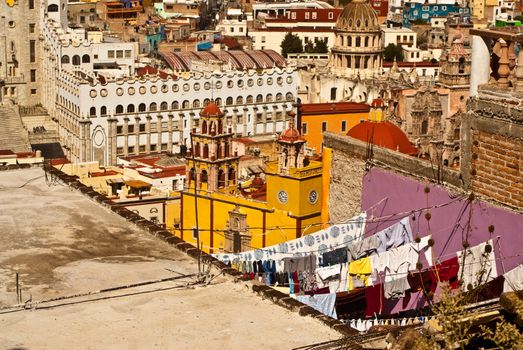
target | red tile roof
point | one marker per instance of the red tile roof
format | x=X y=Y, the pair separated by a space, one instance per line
x=6 y=152
x=331 y=108
x=153 y=71
x=165 y=173
x=104 y=173
x=299 y=15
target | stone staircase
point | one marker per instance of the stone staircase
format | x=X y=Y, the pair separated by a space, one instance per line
x=35 y=117
x=13 y=135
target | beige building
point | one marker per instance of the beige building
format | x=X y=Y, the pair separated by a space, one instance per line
x=19 y=51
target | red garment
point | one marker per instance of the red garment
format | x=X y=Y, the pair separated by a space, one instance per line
x=374 y=298
x=446 y=271
x=296 y=282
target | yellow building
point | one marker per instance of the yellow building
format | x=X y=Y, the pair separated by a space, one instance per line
x=339 y=117
x=231 y=218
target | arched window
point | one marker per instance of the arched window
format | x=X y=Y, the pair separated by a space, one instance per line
x=204 y=127
x=221 y=178
x=349 y=41
x=130 y=108
x=218 y=101
x=175 y=105
x=76 y=60
x=196 y=104
x=424 y=127
x=203 y=177
x=269 y=98
x=250 y=99
x=259 y=98
x=152 y=107
x=239 y=100
x=366 y=41
x=185 y=104
x=205 y=151
x=226 y=149
x=163 y=106
x=218 y=154
x=232 y=174
x=92 y=112
x=103 y=110
x=279 y=96
x=65 y=59
x=229 y=101
x=358 y=41
x=142 y=107
x=196 y=151
x=52 y=8
x=461 y=65
x=86 y=59
x=289 y=96
x=119 y=109
x=192 y=175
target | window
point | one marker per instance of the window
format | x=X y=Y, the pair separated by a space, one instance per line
x=194 y=234
x=331 y=15
x=424 y=127
x=293 y=15
x=314 y=15
x=92 y=112
x=142 y=148
x=127 y=53
x=86 y=59
x=33 y=91
x=130 y=149
x=307 y=15
x=110 y=54
x=141 y=107
x=333 y=93
x=103 y=110
x=76 y=60
x=152 y=107
x=130 y=108
x=241 y=29
x=304 y=128
x=343 y=126
x=33 y=75
x=142 y=127
x=263 y=39
x=119 y=109
x=32 y=51
x=31 y=4
x=119 y=129
x=130 y=129
x=232 y=29
x=119 y=53
x=31 y=27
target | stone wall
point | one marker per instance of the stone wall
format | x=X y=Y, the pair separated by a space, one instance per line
x=492 y=148
x=345 y=186
x=348 y=169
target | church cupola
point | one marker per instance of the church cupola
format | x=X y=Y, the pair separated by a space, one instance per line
x=212 y=164
x=291 y=147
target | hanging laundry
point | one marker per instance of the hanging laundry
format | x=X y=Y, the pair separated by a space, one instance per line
x=477 y=265
x=359 y=272
x=374 y=299
x=397 y=235
x=513 y=280
x=335 y=257
x=363 y=248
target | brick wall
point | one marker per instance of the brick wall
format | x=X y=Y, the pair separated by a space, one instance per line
x=497 y=167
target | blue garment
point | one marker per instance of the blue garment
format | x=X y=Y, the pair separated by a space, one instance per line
x=291 y=284
x=324 y=303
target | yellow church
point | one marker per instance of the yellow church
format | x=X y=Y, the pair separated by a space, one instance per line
x=232 y=218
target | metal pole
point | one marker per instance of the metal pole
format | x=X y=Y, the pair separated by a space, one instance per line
x=17 y=289
x=196 y=230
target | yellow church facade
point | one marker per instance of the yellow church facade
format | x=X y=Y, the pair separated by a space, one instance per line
x=287 y=205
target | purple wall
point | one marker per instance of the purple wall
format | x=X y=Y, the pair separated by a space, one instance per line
x=386 y=193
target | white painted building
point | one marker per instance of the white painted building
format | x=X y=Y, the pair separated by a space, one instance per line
x=233 y=24
x=398 y=36
x=104 y=110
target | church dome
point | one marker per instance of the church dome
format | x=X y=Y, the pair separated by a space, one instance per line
x=383 y=134
x=358 y=16
x=211 y=110
x=291 y=134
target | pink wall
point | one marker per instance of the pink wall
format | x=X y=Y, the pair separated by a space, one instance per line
x=386 y=193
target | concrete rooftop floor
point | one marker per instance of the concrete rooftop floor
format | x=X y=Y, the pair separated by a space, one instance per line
x=62 y=243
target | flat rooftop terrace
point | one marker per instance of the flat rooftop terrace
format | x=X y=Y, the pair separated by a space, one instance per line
x=62 y=244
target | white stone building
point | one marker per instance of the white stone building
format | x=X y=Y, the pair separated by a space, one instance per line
x=104 y=110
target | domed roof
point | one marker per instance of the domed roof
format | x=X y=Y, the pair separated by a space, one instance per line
x=291 y=134
x=383 y=134
x=358 y=16
x=211 y=110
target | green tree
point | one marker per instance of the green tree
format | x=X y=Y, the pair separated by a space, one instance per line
x=291 y=44
x=320 y=46
x=393 y=51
